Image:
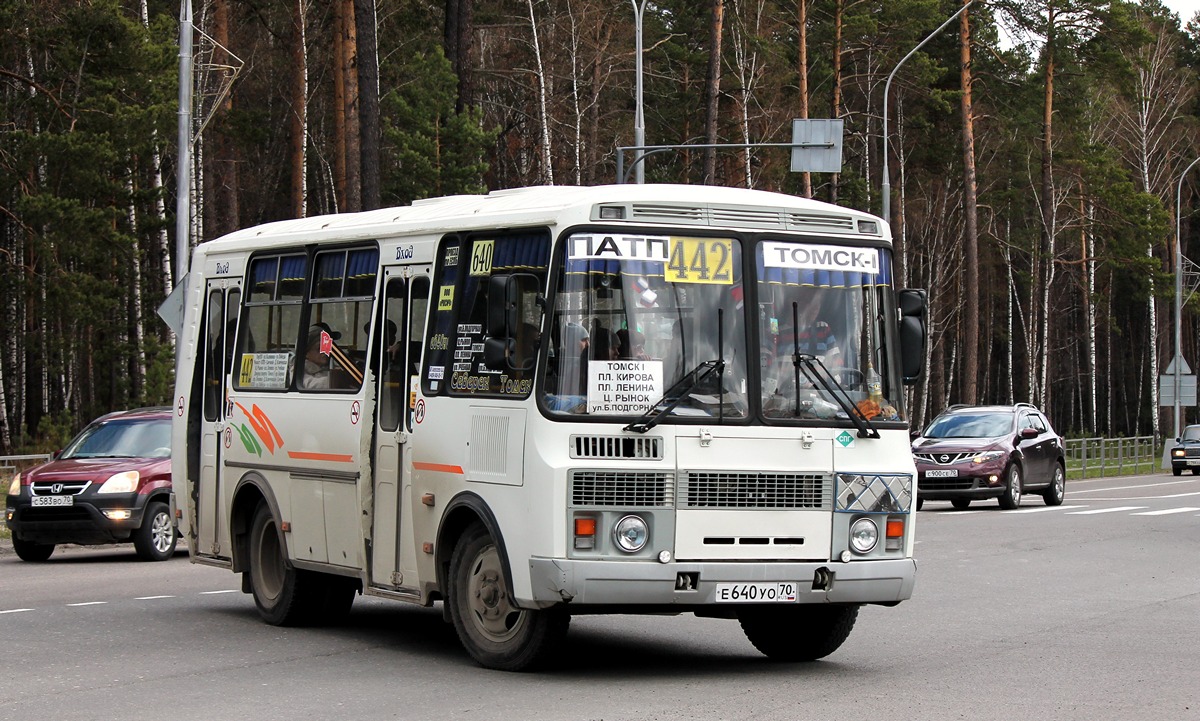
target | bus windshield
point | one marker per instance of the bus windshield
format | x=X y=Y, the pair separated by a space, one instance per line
x=823 y=308
x=634 y=314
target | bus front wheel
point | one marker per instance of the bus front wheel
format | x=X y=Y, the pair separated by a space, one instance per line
x=490 y=626
x=797 y=633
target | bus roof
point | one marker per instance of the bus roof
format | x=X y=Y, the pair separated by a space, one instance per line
x=654 y=203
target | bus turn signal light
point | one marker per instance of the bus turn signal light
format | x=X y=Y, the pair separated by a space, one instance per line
x=585 y=534
x=895 y=528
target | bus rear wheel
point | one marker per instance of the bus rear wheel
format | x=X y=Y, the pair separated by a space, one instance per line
x=797 y=633
x=283 y=594
x=490 y=626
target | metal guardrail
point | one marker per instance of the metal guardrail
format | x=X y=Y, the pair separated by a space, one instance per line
x=1099 y=457
x=11 y=464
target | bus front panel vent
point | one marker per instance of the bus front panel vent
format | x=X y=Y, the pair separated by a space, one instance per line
x=731 y=489
x=640 y=448
x=620 y=489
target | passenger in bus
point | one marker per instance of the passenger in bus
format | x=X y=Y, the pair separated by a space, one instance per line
x=605 y=345
x=816 y=336
x=633 y=345
x=316 y=356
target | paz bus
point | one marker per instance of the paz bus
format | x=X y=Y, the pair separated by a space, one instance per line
x=553 y=401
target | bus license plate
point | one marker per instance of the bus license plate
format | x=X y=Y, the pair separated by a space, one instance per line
x=52 y=501
x=756 y=592
x=942 y=473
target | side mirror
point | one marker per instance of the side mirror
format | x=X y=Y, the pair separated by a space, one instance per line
x=503 y=309
x=913 y=307
x=512 y=336
x=1029 y=432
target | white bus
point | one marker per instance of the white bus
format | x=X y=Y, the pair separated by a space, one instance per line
x=553 y=401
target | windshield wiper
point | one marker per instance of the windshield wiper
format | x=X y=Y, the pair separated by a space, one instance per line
x=675 y=394
x=815 y=370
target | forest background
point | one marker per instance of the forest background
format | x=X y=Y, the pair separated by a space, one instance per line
x=1036 y=148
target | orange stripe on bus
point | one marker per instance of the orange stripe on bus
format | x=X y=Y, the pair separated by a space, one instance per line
x=440 y=467
x=336 y=457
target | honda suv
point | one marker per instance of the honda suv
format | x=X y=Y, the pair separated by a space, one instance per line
x=974 y=452
x=110 y=484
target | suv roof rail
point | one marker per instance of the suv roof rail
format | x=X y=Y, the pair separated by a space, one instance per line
x=1025 y=405
x=955 y=406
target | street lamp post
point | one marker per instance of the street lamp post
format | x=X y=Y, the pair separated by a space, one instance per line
x=639 y=117
x=887 y=184
x=1179 y=290
x=183 y=168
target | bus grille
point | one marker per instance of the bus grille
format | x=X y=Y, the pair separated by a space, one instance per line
x=606 y=489
x=617 y=447
x=721 y=489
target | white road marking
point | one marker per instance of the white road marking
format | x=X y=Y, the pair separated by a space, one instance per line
x=89 y=603
x=1126 y=488
x=15 y=610
x=211 y=593
x=1106 y=510
x=151 y=598
x=1041 y=509
x=1147 y=498
x=1166 y=512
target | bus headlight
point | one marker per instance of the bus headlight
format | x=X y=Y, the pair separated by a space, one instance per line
x=631 y=534
x=864 y=534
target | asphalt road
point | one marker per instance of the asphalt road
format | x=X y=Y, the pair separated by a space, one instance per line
x=1085 y=611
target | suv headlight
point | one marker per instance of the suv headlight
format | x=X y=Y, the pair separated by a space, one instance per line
x=14 y=488
x=987 y=456
x=126 y=482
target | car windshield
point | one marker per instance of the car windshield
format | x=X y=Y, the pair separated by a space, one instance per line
x=141 y=438
x=1191 y=433
x=970 y=425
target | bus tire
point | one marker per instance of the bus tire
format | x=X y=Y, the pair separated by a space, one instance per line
x=283 y=594
x=797 y=633
x=338 y=598
x=495 y=632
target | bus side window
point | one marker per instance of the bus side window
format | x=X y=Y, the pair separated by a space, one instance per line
x=418 y=309
x=214 y=352
x=393 y=379
x=337 y=342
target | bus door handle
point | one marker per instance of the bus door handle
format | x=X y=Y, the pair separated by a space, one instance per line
x=401 y=436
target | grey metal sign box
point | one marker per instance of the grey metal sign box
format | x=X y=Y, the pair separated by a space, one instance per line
x=816 y=146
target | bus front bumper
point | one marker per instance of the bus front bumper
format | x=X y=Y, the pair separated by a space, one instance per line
x=642 y=583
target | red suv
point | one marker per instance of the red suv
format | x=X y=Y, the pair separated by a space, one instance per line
x=110 y=484
x=973 y=452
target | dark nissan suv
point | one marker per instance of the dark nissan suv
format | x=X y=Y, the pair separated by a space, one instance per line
x=973 y=452
x=110 y=484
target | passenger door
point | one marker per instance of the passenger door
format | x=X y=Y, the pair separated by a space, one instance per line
x=1035 y=449
x=404 y=303
x=222 y=303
